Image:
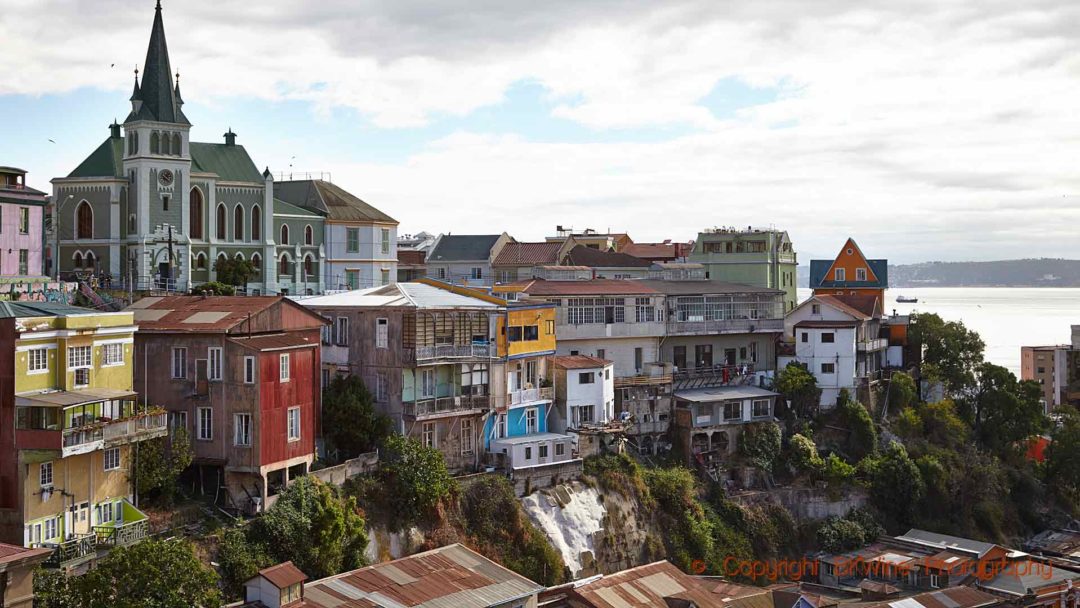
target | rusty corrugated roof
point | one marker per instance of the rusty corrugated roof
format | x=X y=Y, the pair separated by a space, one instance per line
x=579 y=362
x=651 y=585
x=528 y=254
x=283 y=575
x=275 y=342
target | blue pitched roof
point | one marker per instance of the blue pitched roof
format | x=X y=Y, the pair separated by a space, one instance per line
x=819 y=268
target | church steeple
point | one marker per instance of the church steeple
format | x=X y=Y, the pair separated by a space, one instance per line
x=159 y=96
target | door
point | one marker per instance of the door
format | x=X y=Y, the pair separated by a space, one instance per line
x=82 y=519
x=703 y=354
x=165 y=271
x=202 y=384
x=679 y=357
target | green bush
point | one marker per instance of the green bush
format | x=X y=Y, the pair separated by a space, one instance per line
x=803 y=455
x=414 y=478
x=862 y=440
x=759 y=442
x=219 y=289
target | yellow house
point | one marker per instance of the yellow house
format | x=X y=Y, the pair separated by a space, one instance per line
x=66 y=392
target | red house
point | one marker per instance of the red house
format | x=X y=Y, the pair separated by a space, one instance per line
x=241 y=376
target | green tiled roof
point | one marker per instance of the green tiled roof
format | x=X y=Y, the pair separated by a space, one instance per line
x=281 y=206
x=230 y=163
x=330 y=200
x=106 y=161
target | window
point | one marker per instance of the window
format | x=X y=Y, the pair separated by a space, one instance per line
x=531 y=420
x=466 y=437
x=105 y=512
x=528 y=453
x=84 y=221
x=733 y=410
x=352 y=240
x=38 y=360
x=195 y=213
x=828 y=368
x=933 y=581
x=385 y=240
x=549 y=328
x=45 y=475
x=79 y=356
x=644 y=312
x=285 y=266
x=112 y=354
x=841 y=274
x=352 y=279
x=238 y=223
x=560 y=449
x=531 y=332
x=477 y=273
x=828 y=337
x=82 y=377
x=500 y=426
x=427 y=383
x=283 y=367
x=382 y=327
x=309 y=266
x=242 y=429
x=586 y=378
x=256 y=223
x=52 y=528
x=639 y=358
x=112 y=459
x=214 y=355
x=165 y=202
x=327 y=330
x=543 y=450
x=284 y=235
x=600 y=353
x=806 y=337
x=384 y=277
x=294 y=424
x=760 y=408
x=24 y=220
x=249 y=370
x=206 y=424
x=513 y=334
x=289 y=594
x=221 y=216
x=341 y=331
x=442 y=273
x=860 y=274
x=584 y=414
x=177 y=420
x=382 y=387
x=309 y=235
x=429 y=435
x=179 y=363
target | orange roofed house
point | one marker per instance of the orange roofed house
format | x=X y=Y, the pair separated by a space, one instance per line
x=241 y=376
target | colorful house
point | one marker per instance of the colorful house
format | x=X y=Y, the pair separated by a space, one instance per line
x=66 y=390
x=763 y=257
x=21 y=227
x=850 y=274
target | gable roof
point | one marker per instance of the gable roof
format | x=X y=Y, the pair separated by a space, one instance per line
x=655 y=584
x=951 y=597
x=580 y=362
x=414 y=295
x=105 y=161
x=656 y=251
x=14 y=556
x=330 y=200
x=28 y=309
x=230 y=162
x=448 y=576
x=944 y=541
x=582 y=255
x=528 y=254
x=283 y=208
x=877 y=276
x=463 y=247
x=215 y=314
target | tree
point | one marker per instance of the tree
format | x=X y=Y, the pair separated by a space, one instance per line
x=414 y=477
x=862 y=436
x=760 y=443
x=838 y=535
x=952 y=352
x=239 y=560
x=941 y=424
x=232 y=271
x=54 y=589
x=311 y=524
x=1063 y=458
x=896 y=484
x=1004 y=411
x=159 y=573
x=159 y=462
x=902 y=391
x=799 y=387
x=350 y=423
x=803 y=455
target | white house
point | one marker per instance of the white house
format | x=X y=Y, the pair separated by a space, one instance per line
x=838 y=339
x=584 y=392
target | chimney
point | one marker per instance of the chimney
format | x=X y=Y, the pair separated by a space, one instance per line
x=230 y=138
x=114 y=130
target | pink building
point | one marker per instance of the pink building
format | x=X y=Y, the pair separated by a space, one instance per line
x=22 y=234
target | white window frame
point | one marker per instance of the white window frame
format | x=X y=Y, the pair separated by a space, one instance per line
x=341 y=331
x=427 y=383
x=832 y=371
x=739 y=411
x=249 y=370
x=382 y=387
x=532 y=421
x=467 y=438
x=45 y=474
x=429 y=435
x=382 y=332
x=385 y=240
x=293 y=418
x=82 y=376
x=242 y=430
x=37 y=360
x=840 y=275
x=350 y=245
x=860 y=274
x=52 y=523
x=215 y=356
x=283 y=367
x=112 y=354
x=112 y=454
x=204 y=426
x=179 y=356
x=80 y=357
x=754 y=408
x=500 y=426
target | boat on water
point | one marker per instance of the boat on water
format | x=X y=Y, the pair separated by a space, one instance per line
x=907 y=299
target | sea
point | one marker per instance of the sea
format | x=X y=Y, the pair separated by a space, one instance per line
x=1006 y=317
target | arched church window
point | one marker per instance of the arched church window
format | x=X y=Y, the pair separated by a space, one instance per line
x=284 y=234
x=84 y=221
x=155 y=146
x=238 y=223
x=256 y=259
x=176 y=144
x=309 y=266
x=76 y=260
x=195 y=214
x=256 y=223
x=221 y=232
x=309 y=235
x=285 y=269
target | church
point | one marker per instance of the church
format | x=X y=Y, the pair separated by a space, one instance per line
x=154 y=209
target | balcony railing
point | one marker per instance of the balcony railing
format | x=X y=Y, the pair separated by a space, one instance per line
x=643 y=380
x=445 y=405
x=527 y=395
x=724 y=326
x=72 y=552
x=96 y=435
x=123 y=534
x=454 y=351
x=873 y=345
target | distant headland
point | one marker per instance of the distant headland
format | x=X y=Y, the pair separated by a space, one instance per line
x=1041 y=272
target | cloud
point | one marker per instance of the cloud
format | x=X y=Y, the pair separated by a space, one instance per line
x=940 y=124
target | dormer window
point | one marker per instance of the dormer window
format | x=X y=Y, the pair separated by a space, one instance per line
x=841 y=274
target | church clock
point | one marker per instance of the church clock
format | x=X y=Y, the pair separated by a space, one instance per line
x=165 y=177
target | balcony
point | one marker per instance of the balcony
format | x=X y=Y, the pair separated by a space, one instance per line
x=711 y=327
x=72 y=552
x=870 y=346
x=110 y=433
x=133 y=527
x=452 y=351
x=628 y=381
x=529 y=395
x=443 y=406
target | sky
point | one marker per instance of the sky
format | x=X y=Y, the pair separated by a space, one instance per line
x=926 y=130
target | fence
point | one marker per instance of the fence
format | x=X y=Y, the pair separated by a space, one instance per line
x=338 y=474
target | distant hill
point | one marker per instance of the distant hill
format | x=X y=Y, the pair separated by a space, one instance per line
x=1043 y=272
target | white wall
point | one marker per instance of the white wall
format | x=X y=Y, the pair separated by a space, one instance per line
x=600 y=393
x=515 y=453
x=618 y=350
x=369 y=260
x=812 y=353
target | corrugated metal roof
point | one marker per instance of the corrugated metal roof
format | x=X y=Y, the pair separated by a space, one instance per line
x=275 y=342
x=582 y=255
x=329 y=199
x=580 y=362
x=448 y=577
x=197 y=314
x=463 y=247
x=69 y=398
x=283 y=575
x=652 y=585
x=528 y=254
x=944 y=541
x=707 y=287
x=952 y=597
x=720 y=393
x=593 y=287
x=416 y=295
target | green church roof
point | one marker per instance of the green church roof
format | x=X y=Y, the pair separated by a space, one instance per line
x=230 y=162
x=281 y=207
x=160 y=100
x=105 y=161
